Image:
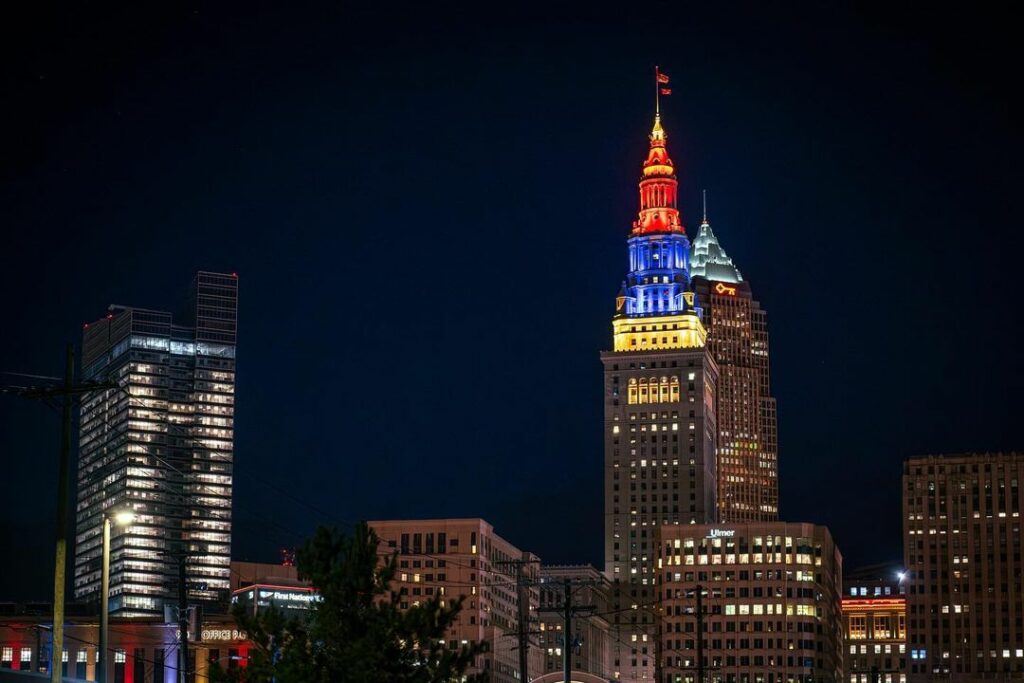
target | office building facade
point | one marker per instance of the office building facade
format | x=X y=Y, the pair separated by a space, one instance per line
x=592 y=637
x=659 y=412
x=964 y=573
x=769 y=604
x=875 y=625
x=161 y=444
x=737 y=337
x=452 y=558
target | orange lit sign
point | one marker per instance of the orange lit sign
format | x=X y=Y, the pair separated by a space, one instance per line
x=873 y=603
x=723 y=288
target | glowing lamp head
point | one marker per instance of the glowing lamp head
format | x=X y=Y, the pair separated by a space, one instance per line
x=124 y=517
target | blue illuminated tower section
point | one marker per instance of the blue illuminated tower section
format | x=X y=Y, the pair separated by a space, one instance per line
x=660 y=387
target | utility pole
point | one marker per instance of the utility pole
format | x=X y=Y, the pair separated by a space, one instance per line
x=101 y=664
x=63 y=491
x=524 y=625
x=183 y=620
x=523 y=631
x=568 y=610
x=700 y=633
x=66 y=391
x=567 y=633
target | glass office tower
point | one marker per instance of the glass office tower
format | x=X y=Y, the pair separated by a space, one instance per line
x=162 y=445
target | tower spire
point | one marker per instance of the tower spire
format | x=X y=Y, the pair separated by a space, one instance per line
x=658 y=186
x=704 y=202
x=658 y=283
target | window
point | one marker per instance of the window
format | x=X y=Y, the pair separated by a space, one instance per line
x=858 y=627
x=882 y=626
x=119 y=666
x=653 y=390
x=81 y=660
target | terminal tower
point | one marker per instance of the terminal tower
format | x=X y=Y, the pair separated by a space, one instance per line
x=660 y=387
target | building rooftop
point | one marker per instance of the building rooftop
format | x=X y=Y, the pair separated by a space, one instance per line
x=709 y=260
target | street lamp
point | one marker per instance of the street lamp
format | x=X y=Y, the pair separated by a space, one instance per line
x=122 y=517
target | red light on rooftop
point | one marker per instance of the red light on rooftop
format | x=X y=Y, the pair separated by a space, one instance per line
x=234 y=274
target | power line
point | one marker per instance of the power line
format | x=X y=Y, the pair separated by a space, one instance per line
x=67 y=391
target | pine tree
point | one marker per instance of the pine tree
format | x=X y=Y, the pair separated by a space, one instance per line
x=355 y=631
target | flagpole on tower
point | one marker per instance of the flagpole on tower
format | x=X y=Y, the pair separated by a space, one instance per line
x=660 y=79
x=657 y=91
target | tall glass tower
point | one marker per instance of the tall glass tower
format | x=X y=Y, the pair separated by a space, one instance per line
x=659 y=412
x=162 y=445
x=748 y=464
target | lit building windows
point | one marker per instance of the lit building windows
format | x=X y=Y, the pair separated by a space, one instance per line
x=653 y=390
x=858 y=627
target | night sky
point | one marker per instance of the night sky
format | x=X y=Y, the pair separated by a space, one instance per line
x=427 y=212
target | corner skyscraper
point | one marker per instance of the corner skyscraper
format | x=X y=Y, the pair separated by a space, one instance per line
x=737 y=327
x=659 y=413
x=162 y=446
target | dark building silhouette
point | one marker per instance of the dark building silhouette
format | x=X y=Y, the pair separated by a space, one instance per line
x=964 y=576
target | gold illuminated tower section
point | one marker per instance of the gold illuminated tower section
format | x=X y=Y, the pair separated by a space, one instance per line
x=659 y=413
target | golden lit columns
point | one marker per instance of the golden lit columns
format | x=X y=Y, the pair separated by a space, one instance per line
x=658 y=333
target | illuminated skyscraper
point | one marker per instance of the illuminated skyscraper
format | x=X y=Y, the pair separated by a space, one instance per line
x=659 y=411
x=162 y=445
x=748 y=469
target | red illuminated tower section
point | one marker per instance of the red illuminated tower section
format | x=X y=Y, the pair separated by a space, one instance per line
x=659 y=190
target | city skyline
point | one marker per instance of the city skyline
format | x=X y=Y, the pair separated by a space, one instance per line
x=320 y=394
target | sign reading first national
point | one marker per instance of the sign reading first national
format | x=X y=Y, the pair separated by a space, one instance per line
x=721 y=533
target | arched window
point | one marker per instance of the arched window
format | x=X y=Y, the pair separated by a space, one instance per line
x=653 y=390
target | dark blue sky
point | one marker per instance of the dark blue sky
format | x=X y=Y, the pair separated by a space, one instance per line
x=428 y=211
